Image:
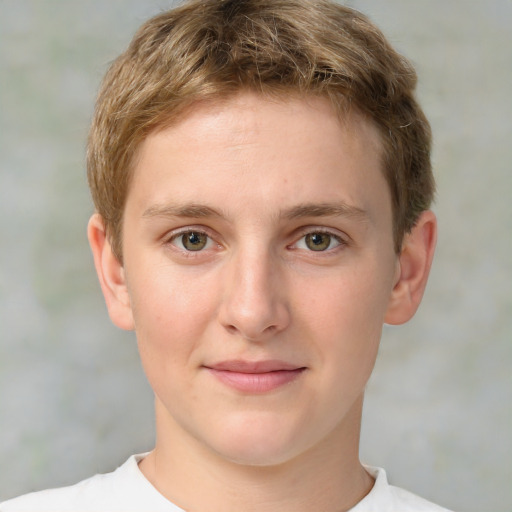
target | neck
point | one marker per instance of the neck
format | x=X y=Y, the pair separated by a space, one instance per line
x=327 y=477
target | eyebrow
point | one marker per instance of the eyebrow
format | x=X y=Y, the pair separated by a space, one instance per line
x=338 y=209
x=186 y=210
x=192 y=210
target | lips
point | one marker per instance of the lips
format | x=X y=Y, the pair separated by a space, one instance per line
x=255 y=376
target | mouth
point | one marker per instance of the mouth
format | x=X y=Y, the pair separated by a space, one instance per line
x=255 y=376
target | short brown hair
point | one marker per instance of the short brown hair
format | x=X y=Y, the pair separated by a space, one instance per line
x=215 y=48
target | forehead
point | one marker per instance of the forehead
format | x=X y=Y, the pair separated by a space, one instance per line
x=281 y=150
x=249 y=112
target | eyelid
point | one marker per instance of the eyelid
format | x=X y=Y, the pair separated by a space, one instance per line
x=342 y=238
x=173 y=235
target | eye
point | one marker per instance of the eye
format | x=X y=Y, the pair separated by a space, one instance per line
x=191 y=240
x=319 y=241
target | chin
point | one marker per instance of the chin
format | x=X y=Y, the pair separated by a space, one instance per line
x=258 y=455
x=257 y=442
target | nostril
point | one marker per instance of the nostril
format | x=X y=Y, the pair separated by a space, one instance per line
x=231 y=329
x=252 y=335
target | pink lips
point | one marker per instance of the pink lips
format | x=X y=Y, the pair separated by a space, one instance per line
x=255 y=377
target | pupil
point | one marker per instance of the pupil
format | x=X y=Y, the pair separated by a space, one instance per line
x=194 y=241
x=193 y=238
x=318 y=241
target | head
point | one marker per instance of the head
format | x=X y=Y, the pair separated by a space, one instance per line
x=260 y=170
x=207 y=50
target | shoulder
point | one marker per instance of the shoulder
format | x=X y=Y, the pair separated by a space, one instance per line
x=61 y=499
x=410 y=501
x=388 y=498
x=124 y=490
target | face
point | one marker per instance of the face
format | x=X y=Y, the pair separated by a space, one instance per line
x=259 y=264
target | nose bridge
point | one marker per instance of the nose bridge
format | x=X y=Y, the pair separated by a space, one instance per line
x=254 y=303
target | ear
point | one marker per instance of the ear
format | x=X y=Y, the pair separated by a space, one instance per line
x=111 y=275
x=414 y=265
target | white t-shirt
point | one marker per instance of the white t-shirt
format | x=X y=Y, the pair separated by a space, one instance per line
x=128 y=490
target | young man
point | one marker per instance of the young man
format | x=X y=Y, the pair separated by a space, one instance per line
x=262 y=181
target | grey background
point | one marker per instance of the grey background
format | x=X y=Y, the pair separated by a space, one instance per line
x=73 y=399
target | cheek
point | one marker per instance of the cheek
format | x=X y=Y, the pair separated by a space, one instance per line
x=344 y=314
x=171 y=311
x=351 y=300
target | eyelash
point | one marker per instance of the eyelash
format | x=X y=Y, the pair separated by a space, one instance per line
x=189 y=231
x=309 y=231
x=340 y=242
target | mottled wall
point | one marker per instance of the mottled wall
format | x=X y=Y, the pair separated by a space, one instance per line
x=73 y=400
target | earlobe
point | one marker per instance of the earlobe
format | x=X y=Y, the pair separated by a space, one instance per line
x=110 y=274
x=414 y=265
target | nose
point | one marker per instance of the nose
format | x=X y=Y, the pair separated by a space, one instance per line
x=254 y=304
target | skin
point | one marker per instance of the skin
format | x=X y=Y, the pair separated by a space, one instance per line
x=258 y=181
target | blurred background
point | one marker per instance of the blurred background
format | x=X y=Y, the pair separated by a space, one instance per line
x=73 y=398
